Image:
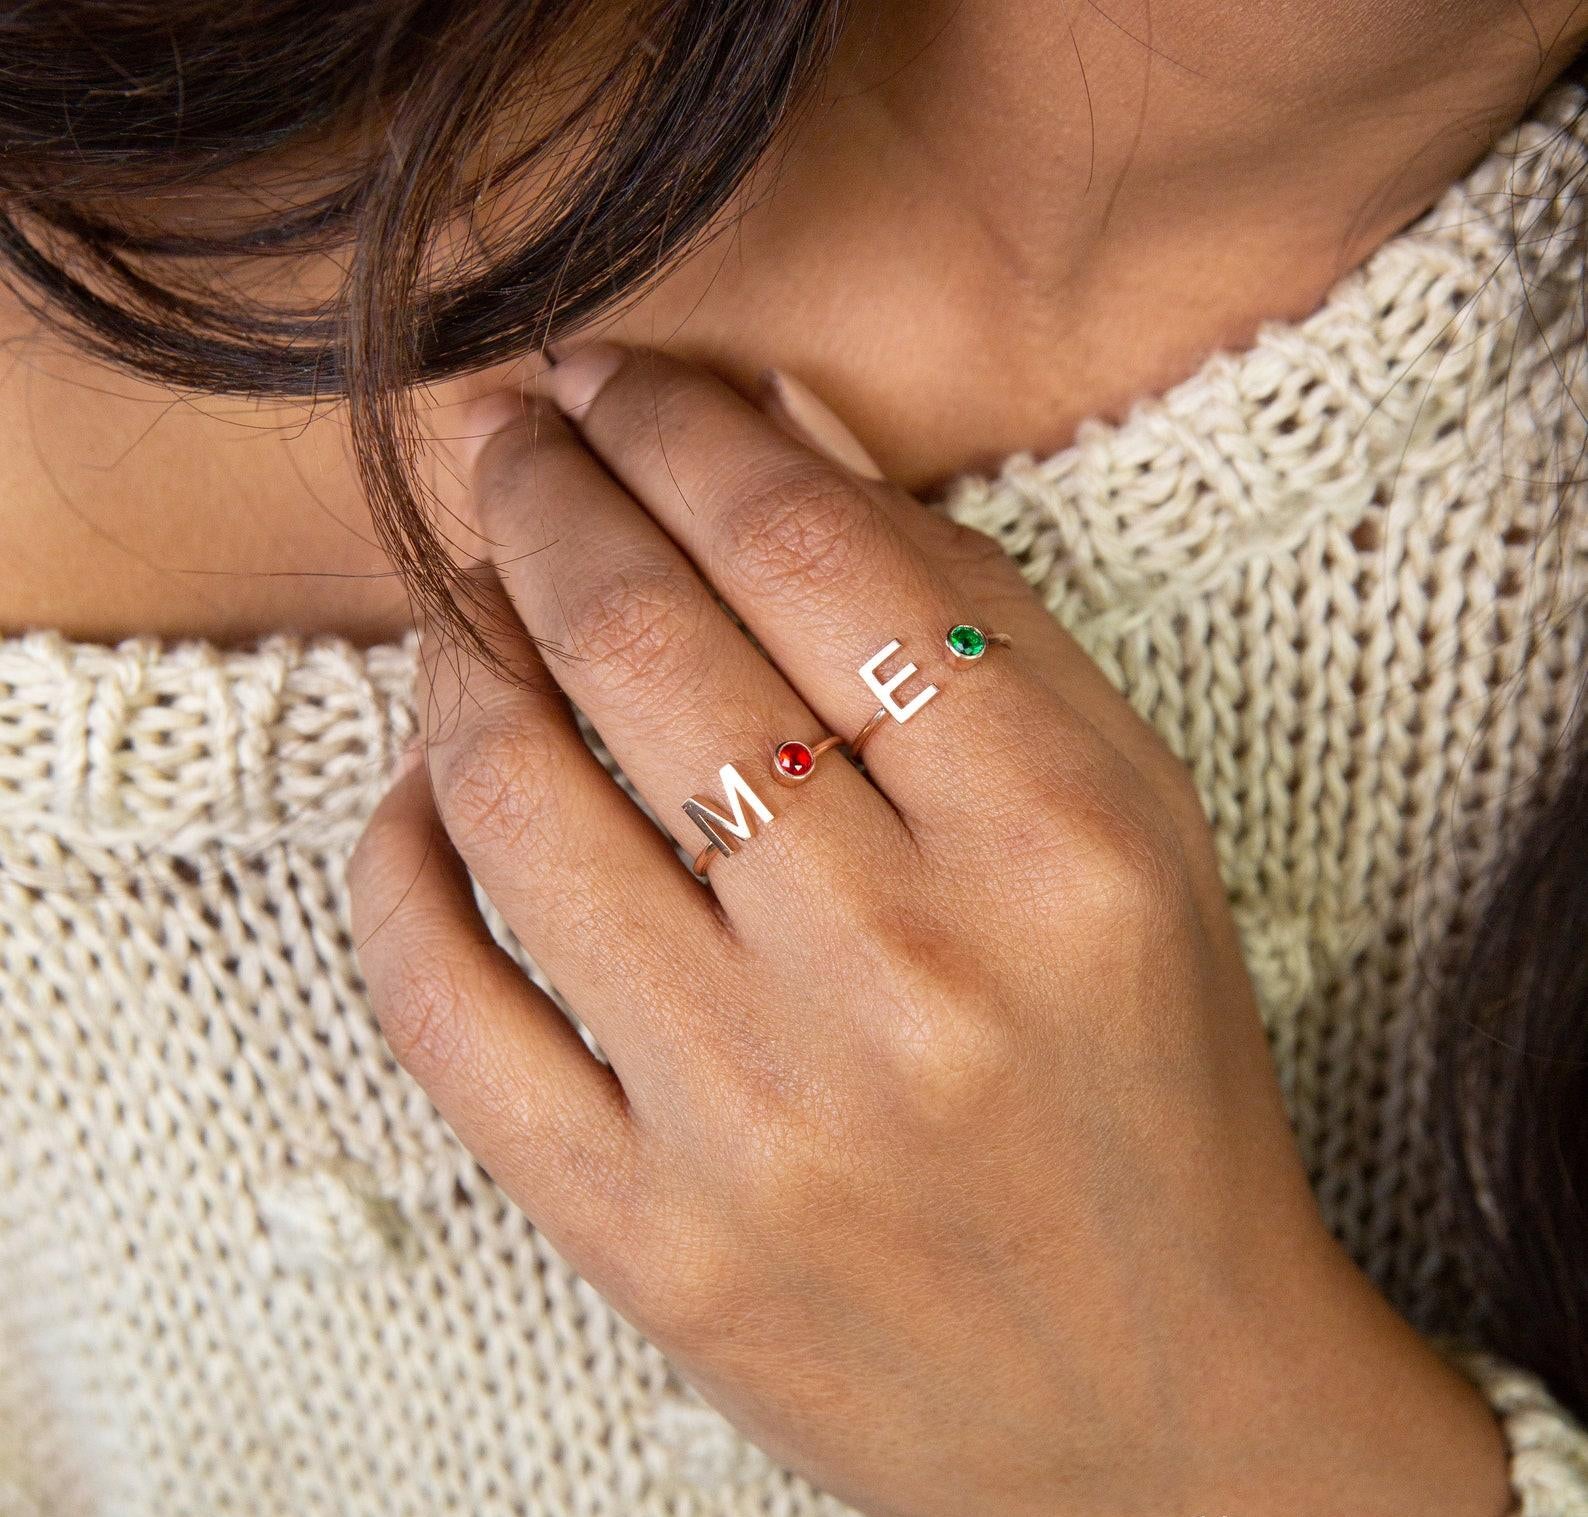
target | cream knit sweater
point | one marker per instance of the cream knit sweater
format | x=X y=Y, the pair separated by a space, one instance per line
x=246 y=1269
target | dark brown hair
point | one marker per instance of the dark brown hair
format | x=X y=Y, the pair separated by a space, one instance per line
x=368 y=130
x=359 y=129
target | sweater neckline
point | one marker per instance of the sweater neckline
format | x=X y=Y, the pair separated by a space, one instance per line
x=176 y=746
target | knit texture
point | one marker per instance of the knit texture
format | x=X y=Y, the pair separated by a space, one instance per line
x=246 y=1269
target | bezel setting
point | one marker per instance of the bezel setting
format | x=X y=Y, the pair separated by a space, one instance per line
x=793 y=762
x=965 y=641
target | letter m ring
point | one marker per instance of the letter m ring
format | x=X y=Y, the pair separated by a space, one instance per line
x=720 y=830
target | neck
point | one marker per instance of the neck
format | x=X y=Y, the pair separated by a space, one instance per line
x=1002 y=217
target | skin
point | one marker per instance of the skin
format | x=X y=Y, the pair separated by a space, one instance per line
x=939 y=1144
x=990 y=1211
x=1112 y=232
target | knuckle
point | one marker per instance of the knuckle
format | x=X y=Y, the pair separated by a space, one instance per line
x=496 y=782
x=1125 y=867
x=795 y=1153
x=950 y=1062
x=1089 y=832
x=603 y=1190
x=797 y=527
x=635 y=625
x=682 y=1287
x=698 y=1311
x=796 y=1124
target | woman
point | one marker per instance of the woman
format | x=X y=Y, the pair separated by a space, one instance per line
x=1147 y=1085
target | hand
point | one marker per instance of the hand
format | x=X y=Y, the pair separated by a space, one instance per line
x=940 y=1146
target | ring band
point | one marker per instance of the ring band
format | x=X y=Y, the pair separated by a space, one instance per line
x=862 y=737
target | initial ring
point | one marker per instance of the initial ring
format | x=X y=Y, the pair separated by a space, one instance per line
x=966 y=642
x=793 y=763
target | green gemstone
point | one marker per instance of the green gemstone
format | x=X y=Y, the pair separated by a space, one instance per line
x=965 y=641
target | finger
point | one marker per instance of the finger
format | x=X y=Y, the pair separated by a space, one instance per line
x=823 y=571
x=980 y=564
x=674 y=687
x=798 y=410
x=971 y=559
x=593 y=890
x=507 y=1070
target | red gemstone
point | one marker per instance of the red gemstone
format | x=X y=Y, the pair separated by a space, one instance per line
x=794 y=760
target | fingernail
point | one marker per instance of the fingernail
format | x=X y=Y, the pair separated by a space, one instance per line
x=815 y=424
x=575 y=381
